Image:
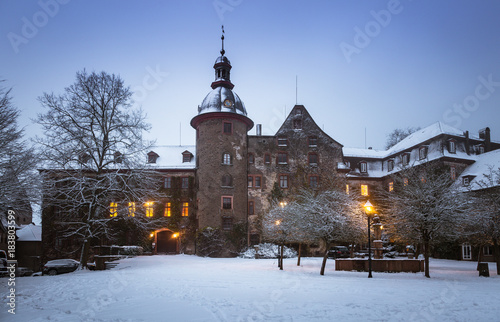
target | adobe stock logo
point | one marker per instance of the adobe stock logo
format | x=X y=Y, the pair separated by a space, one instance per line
x=223 y=6
x=373 y=28
x=486 y=87
x=30 y=28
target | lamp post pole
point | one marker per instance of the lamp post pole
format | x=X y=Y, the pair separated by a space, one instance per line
x=369 y=251
x=369 y=210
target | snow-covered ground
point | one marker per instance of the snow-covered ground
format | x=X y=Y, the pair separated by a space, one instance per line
x=189 y=288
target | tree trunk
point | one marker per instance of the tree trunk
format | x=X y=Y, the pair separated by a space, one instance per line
x=281 y=257
x=352 y=250
x=300 y=250
x=427 y=252
x=496 y=253
x=479 y=256
x=323 y=265
x=85 y=254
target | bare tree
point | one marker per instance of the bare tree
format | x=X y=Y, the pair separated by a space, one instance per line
x=18 y=177
x=332 y=216
x=398 y=135
x=425 y=207
x=486 y=226
x=94 y=159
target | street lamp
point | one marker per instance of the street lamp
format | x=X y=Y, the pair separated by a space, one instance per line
x=369 y=211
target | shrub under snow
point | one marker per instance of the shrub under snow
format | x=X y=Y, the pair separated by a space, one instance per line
x=267 y=250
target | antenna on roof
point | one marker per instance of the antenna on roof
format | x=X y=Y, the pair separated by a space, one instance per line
x=222 y=52
x=296 y=88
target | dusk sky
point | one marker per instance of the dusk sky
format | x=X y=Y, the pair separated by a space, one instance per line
x=378 y=65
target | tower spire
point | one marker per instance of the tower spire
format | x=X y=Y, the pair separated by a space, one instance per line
x=222 y=52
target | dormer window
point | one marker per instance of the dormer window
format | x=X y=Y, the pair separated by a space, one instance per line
x=84 y=157
x=363 y=167
x=405 y=159
x=298 y=111
x=452 y=146
x=480 y=149
x=152 y=157
x=465 y=181
x=422 y=152
x=390 y=165
x=282 y=141
x=187 y=156
x=347 y=164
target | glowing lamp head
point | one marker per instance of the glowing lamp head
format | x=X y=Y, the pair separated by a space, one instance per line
x=175 y=235
x=152 y=235
x=277 y=222
x=368 y=207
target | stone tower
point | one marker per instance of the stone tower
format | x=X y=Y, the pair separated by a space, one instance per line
x=221 y=155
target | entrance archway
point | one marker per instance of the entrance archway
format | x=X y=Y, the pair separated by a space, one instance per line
x=166 y=241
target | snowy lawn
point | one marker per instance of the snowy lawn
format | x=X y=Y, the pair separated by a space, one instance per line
x=189 y=288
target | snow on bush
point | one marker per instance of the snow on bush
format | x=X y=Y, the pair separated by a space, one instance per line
x=267 y=250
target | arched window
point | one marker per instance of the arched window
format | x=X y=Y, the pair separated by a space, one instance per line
x=226 y=158
x=227 y=180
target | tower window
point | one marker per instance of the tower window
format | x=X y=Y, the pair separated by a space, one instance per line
x=227 y=223
x=297 y=124
x=391 y=186
x=251 y=158
x=453 y=172
x=227 y=180
x=227 y=202
x=226 y=158
x=228 y=127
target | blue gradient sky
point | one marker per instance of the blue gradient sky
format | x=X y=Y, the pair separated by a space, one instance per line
x=412 y=68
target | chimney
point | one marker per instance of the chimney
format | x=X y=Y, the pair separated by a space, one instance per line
x=467 y=142
x=487 y=140
x=259 y=129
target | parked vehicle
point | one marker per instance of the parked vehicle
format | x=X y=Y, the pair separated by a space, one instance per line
x=339 y=252
x=23 y=271
x=60 y=266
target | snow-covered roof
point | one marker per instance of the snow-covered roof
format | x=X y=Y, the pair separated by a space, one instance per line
x=222 y=99
x=363 y=153
x=484 y=163
x=410 y=141
x=171 y=157
x=29 y=232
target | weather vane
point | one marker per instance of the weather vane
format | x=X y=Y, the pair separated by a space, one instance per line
x=222 y=51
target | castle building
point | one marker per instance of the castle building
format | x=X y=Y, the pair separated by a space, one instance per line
x=229 y=178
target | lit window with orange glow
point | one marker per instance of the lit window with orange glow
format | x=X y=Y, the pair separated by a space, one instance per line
x=391 y=186
x=113 y=209
x=347 y=189
x=364 y=190
x=405 y=181
x=168 y=209
x=148 y=206
x=131 y=209
x=185 y=209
